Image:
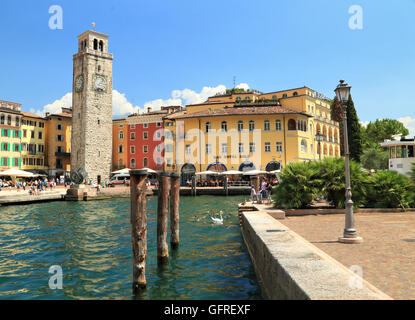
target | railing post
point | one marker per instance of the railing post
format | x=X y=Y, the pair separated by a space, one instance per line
x=174 y=210
x=138 y=190
x=162 y=217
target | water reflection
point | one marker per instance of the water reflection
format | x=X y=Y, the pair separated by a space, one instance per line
x=92 y=243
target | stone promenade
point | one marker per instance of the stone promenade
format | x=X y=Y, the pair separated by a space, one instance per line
x=387 y=255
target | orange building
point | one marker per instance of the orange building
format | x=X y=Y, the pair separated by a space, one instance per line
x=58 y=143
x=119 y=144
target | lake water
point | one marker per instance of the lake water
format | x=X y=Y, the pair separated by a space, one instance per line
x=91 y=241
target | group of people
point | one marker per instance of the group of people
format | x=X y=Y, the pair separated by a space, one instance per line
x=263 y=195
x=34 y=185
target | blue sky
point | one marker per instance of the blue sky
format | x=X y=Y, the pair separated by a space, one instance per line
x=164 y=45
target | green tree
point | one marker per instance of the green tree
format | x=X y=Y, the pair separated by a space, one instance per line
x=354 y=131
x=375 y=158
x=376 y=132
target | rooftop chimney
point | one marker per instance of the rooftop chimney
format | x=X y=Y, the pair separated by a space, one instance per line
x=149 y=109
x=47 y=114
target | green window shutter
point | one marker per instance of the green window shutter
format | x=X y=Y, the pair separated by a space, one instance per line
x=20 y=133
x=1 y=161
x=8 y=132
x=8 y=147
x=20 y=147
x=20 y=162
x=2 y=149
x=2 y=132
x=8 y=162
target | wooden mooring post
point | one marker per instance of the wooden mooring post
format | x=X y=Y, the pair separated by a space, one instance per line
x=138 y=190
x=174 y=209
x=162 y=217
x=194 y=186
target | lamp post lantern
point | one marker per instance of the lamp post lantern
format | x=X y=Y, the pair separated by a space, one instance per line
x=350 y=234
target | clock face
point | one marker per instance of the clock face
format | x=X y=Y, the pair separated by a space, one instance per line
x=79 y=83
x=100 y=83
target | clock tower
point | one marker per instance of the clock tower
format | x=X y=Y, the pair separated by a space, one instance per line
x=91 y=144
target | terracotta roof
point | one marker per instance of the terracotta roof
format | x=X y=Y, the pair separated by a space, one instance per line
x=69 y=115
x=235 y=111
x=31 y=115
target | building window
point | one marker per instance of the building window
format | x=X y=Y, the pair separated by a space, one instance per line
x=59 y=126
x=224 y=149
x=208 y=148
x=168 y=147
x=40 y=135
x=145 y=135
x=266 y=125
x=15 y=147
x=132 y=126
x=278 y=125
x=241 y=147
x=9 y=120
x=158 y=124
x=208 y=127
x=17 y=121
x=120 y=148
x=145 y=148
x=303 y=146
x=132 y=149
x=145 y=162
x=187 y=149
x=158 y=148
x=132 y=163
x=240 y=125
x=24 y=133
x=121 y=135
x=251 y=125
x=284 y=95
x=252 y=147
x=295 y=94
x=59 y=137
x=279 y=147
x=40 y=148
x=292 y=125
x=158 y=134
x=132 y=135
x=145 y=125
x=32 y=134
x=267 y=147
x=2 y=119
x=224 y=126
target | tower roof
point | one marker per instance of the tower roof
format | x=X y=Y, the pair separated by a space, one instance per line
x=93 y=32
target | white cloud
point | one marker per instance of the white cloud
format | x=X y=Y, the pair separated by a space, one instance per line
x=121 y=105
x=409 y=123
x=56 y=106
x=364 y=123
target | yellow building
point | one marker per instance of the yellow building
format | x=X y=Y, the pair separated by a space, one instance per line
x=119 y=144
x=58 y=143
x=33 y=137
x=250 y=130
x=10 y=122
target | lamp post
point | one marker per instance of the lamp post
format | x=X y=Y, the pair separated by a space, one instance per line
x=319 y=138
x=350 y=234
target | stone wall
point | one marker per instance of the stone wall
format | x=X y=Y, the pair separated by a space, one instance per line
x=289 y=267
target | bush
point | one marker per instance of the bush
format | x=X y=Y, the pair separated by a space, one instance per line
x=412 y=173
x=332 y=181
x=297 y=186
x=389 y=189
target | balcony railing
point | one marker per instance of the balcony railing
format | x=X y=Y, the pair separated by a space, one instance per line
x=62 y=154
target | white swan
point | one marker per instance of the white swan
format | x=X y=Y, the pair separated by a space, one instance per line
x=217 y=220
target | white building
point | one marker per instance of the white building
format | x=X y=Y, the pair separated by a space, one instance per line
x=401 y=154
